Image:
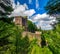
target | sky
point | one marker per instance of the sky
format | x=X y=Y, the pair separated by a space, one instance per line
x=37 y=5
x=35 y=11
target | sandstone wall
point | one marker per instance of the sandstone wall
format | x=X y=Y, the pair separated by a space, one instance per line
x=31 y=36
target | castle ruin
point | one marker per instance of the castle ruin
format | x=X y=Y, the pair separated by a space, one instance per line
x=19 y=20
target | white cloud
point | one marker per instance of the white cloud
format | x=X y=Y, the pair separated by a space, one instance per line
x=29 y=12
x=22 y=10
x=44 y=17
x=44 y=25
x=13 y=4
x=43 y=21
x=48 y=27
x=37 y=4
x=39 y=16
x=18 y=11
x=25 y=5
x=30 y=1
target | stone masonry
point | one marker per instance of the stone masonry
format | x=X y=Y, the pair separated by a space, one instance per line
x=23 y=22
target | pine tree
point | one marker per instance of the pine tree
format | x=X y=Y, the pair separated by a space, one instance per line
x=53 y=7
x=5 y=9
x=6 y=27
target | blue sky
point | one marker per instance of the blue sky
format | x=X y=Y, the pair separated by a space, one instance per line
x=35 y=11
x=32 y=5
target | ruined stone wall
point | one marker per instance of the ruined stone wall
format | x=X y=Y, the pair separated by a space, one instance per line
x=22 y=21
x=32 y=36
x=18 y=20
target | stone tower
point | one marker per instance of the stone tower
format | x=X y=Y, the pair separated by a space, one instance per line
x=22 y=21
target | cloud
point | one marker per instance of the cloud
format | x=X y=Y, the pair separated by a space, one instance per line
x=25 y=5
x=44 y=25
x=41 y=16
x=43 y=21
x=30 y=1
x=48 y=27
x=18 y=11
x=22 y=10
x=29 y=12
x=13 y=3
x=45 y=17
x=37 y=4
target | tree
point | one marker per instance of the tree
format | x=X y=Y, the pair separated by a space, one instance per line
x=6 y=31
x=34 y=48
x=53 y=37
x=23 y=45
x=31 y=26
x=52 y=7
x=6 y=27
x=5 y=9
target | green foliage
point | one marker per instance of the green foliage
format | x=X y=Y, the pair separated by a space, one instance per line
x=52 y=7
x=6 y=30
x=11 y=40
x=53 y=38
x=24 y=44
x=7 y=9
x=35 y=49
x=8 y=20
x=31 y=26
x=15 y=44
